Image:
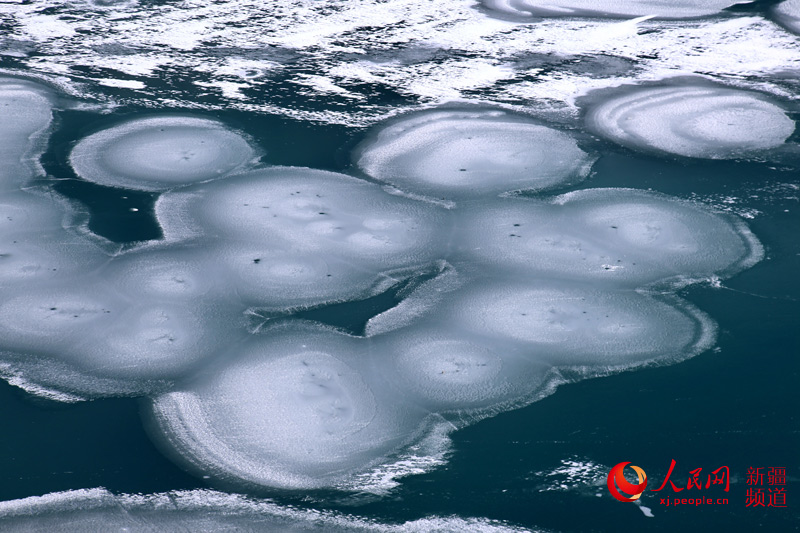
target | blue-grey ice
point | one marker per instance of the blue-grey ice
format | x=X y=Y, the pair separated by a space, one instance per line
x=693 y=121
x=788 y=14
x=159 y=153
x=458 y=153
x=25 y=117
x=621 y=237
x=98 y=510
x=679 y=9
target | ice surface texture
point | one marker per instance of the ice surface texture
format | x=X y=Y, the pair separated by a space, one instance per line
x=680 y=9
x=788 y=14
x=159 y=153
x=692 y=121
x=99 y=511
x=462 y=153
x=507 y=296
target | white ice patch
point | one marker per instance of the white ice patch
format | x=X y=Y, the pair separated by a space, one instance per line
x=692 y=121
x=320 y=214
x=25 y=116
x=620 y=237
x=159 y=153
x=788 y=13
x=675 y=9
x=202 y=510
x=472 y=153
x=293 y=409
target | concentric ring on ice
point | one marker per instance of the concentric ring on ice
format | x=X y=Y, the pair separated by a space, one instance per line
x=788 y=14
x=159 y=153
x=692 y=121
x=290 y=409
x=313 y=212
x=621 y=237
x=462 y=153
x=676 y=9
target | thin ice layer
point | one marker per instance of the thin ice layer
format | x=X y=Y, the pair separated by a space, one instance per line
x=567 y=324
x=25 y=115
x=291 y=409
x=97 y=510
x=141 y=317
x=693 y=121
x=159 y=153
x=788 y=14
x=472 y=153
x=677 y=9
x=34 y=245
x=319 y=214
x=445 y=371
x=622 y=237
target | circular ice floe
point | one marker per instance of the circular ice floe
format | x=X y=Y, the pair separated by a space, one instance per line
x=623 y=237
x=457 y=154
x=569 y=324
x=680 y=9
x=289 y=409
x=443 y=371
x=316 y=213
x=160 y=153
x=692 y=121
x=788 y=14
x=34 y=245
x=25 y=114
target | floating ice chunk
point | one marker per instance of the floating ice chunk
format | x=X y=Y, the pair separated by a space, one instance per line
x=128 y=327
x=788 y=14
x=443 y=371
x=459 y=153
x=619 y=236
x=274 y=279
x=155 y=154
x=317 y=213
x=693 y=121
x=25 y=116
x=34 y=245
x=573 y=325
x=289 y=409
x=679 y=9
x=201 y=510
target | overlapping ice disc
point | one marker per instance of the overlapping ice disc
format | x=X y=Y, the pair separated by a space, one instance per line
x=621 y=237
x=788 y=13
x=159 y=153
x=692 y=121
x=320 y=214
x=291 y=409
x=461 y=154
x=680 y=9
x=25 y=114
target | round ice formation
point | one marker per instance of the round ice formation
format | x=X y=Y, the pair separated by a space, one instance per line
x=316 y=213
x=444 y=372
x=35 y=246
x=143 y=317
x=455 y=154
x=788 y=14
x=692 y=121
x=25 y=114
x=568 y=324
x=679 y=9
x=290 y=409
x=155 y=154
x=619 y=236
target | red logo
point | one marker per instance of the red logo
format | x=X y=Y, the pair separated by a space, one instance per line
x=617 y=479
